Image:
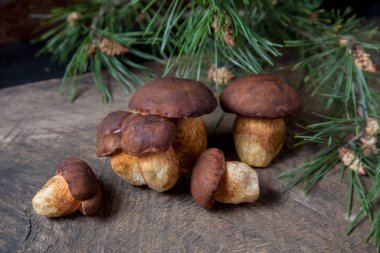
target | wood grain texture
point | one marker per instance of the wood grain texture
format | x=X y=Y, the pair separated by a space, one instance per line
x=39 y=128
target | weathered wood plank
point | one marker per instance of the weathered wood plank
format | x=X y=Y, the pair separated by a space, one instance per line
x=39 y=128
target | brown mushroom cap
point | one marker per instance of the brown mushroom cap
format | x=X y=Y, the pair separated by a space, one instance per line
x=206 y=175
x=108 y=144
x=260 y=96
x=108 y=133
x=82 y=182
x=173 y=98
x=143 y=134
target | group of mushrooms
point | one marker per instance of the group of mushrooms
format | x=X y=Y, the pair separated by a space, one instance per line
x=162 y=137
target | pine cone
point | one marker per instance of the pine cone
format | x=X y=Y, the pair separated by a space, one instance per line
x=228 y=36
x=227 y=31
x=351 y=161
x=72 y=18
x=222 y=76
x=372 y=127
x=363 y=60
x=112 y=48
x=369 y=145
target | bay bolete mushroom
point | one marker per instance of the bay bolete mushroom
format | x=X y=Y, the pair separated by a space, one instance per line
x=183 y=101
x=214 y=179
x=147 y=157
x=261 y=102
x=109 y=132
x=73 y=187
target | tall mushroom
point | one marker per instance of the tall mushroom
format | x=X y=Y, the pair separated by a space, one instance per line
x=183 y=101
x=213 y=179
x=147 y=157
x=73 y=187
x=261 y=102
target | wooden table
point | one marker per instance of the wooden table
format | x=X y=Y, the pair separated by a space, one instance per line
x=39 y=127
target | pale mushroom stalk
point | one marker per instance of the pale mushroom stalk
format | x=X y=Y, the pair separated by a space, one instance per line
x=258 y=141
x=55 y=199
x=157 y=170
x=238 y=184
x=189 y=142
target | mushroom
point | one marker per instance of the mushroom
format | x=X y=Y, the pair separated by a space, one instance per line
x=213 y=179
x=109 y=132
x=183 y=101
x=73 y=187
x=261 y=102
x=148 y=157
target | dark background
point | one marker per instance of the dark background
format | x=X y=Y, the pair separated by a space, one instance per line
x=20 y=18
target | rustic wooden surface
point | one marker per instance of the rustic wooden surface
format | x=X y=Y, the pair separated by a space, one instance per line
x=39 y=128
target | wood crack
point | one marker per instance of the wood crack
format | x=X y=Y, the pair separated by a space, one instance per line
x=29 y=228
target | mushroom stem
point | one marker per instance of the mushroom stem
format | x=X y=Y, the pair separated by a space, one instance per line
x=258 y=141
x=189 y=142
x=238 y=184
x=160 y=170
x=157 y=170
x=127 y=167
x=55 y=199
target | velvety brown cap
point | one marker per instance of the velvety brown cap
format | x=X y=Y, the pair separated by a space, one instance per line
x=82 y=182
x=207 y=172
x=261 y=96
x=173 y=98
x=109 y=132
x=143 y=134
x=108 y=144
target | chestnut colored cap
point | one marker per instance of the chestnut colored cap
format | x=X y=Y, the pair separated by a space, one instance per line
x=207 y=172
x=143 y=134
x=108 y=144
x=261 y=96
x=109 y=132
x=173 y=98
x=83 y=184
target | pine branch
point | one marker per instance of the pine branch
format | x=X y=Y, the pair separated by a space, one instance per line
x=99 y=36
x=336 y=68
x=210 y=31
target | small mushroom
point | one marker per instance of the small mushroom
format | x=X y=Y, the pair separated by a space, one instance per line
x=109 y=132
x=147 y=157
x=213 y=179
x=183 y=101
x=73 y=187
x=261 y=102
